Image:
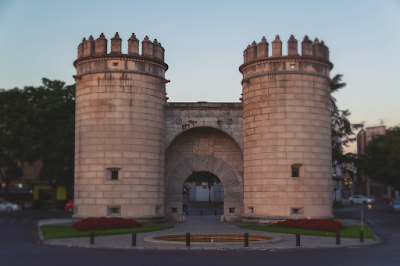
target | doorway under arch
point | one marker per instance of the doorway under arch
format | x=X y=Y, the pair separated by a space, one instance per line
x=233 y=194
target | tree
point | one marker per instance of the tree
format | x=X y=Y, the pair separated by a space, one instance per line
x=15 y=148
x=381 y=160
x=52 y=125
x=203 y=177
x=342 y=132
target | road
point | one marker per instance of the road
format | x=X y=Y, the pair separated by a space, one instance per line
x=19 y=246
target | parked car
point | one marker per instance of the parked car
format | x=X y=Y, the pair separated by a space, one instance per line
x=9 y=207
x=394 y=206
x=69 y=206
x=360 y=199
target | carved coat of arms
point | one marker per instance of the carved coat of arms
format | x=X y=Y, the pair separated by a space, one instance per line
x=203 y=145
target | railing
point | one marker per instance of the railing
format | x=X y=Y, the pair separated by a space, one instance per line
x=202 y=213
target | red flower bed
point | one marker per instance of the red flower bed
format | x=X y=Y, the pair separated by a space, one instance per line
x=102 y=223
x=312 y=224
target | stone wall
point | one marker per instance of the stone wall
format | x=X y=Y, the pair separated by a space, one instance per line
x=204 y=149
x=287 y=132
x=120 y=129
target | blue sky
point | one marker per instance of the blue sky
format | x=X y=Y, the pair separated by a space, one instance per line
x=204 y=43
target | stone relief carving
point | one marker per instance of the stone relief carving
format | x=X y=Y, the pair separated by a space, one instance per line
x=228 y=121
x=203 y=145
x=178 y=120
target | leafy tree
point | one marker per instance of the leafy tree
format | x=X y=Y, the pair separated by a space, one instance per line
x=15 y=148
x=342 y=132
x=52 y=125
x=203 y=177
x=381 y=160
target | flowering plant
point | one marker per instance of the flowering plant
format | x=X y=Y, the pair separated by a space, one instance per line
x=312 y=224
x=102 y=223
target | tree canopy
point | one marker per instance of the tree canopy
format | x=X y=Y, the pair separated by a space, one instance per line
x=381 y=160
x=342 y=131
x=52 y=125
x=15 y=147
x=38 y=123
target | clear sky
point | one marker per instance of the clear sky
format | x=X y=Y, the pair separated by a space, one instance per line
x=204 y=43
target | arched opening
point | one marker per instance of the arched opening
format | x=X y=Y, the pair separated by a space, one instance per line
x=203 y=195
x=206 y=150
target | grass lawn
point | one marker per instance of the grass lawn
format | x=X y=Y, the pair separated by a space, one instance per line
x=65 y=231
x=347 y=231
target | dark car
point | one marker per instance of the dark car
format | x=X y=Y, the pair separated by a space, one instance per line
x=394 y=206
x=69 y=206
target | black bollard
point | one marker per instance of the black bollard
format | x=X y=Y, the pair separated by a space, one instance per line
x=338 y=238
x=246 y=239
x=215 y=213
x=188 y=239
x=187 y=213
x=201 y=213
x=133 y=239
x=361 y=236
x=297 y=239
x=91 y=237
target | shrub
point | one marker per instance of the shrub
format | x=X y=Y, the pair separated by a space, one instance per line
x=312 y=224
x=102 y=223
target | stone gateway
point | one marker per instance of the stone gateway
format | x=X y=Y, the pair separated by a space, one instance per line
x=134 y=149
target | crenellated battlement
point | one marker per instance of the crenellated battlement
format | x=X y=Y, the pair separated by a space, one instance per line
x=308 y=48
x=95 y=48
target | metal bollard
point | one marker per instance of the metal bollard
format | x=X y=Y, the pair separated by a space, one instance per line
x=297 y=239
x=201 y=213
x=91 y=237
x=133 y=239
x=361 y=236
x=215 y=213
x=338 y=238
x=188 y=239
x=187 y=213
x=246 y=239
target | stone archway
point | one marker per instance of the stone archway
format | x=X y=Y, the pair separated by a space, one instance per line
x=233 y=192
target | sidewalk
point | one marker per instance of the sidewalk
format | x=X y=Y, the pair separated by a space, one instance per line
x=205 y=225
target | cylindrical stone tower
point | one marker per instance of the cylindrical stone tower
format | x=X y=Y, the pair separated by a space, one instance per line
x=120 y=129
x=287 y=132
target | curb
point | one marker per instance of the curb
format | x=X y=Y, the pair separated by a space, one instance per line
x=213 y=247
x=206 y=248
x=41 y=238
x=48 y=221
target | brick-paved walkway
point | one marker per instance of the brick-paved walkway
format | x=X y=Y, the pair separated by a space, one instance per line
x=206 y=225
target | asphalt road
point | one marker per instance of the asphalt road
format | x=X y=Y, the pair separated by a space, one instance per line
x=19 y=246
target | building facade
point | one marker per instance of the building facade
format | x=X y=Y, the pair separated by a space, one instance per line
x=135 y=150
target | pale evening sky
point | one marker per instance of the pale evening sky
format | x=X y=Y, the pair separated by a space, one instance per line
x=204 y=43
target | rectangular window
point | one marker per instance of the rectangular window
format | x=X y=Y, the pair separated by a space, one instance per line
x=114 y=175
x=250 y=209
x=297 y=170
x=174 y=209
x=114 y=211
x=115 y=64
x=296 y=211
x=231 y=210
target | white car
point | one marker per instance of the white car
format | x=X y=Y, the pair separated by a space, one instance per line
x=8 y=206
x=360 y=199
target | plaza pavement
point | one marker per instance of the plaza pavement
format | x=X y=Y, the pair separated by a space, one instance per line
x=205 y=224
